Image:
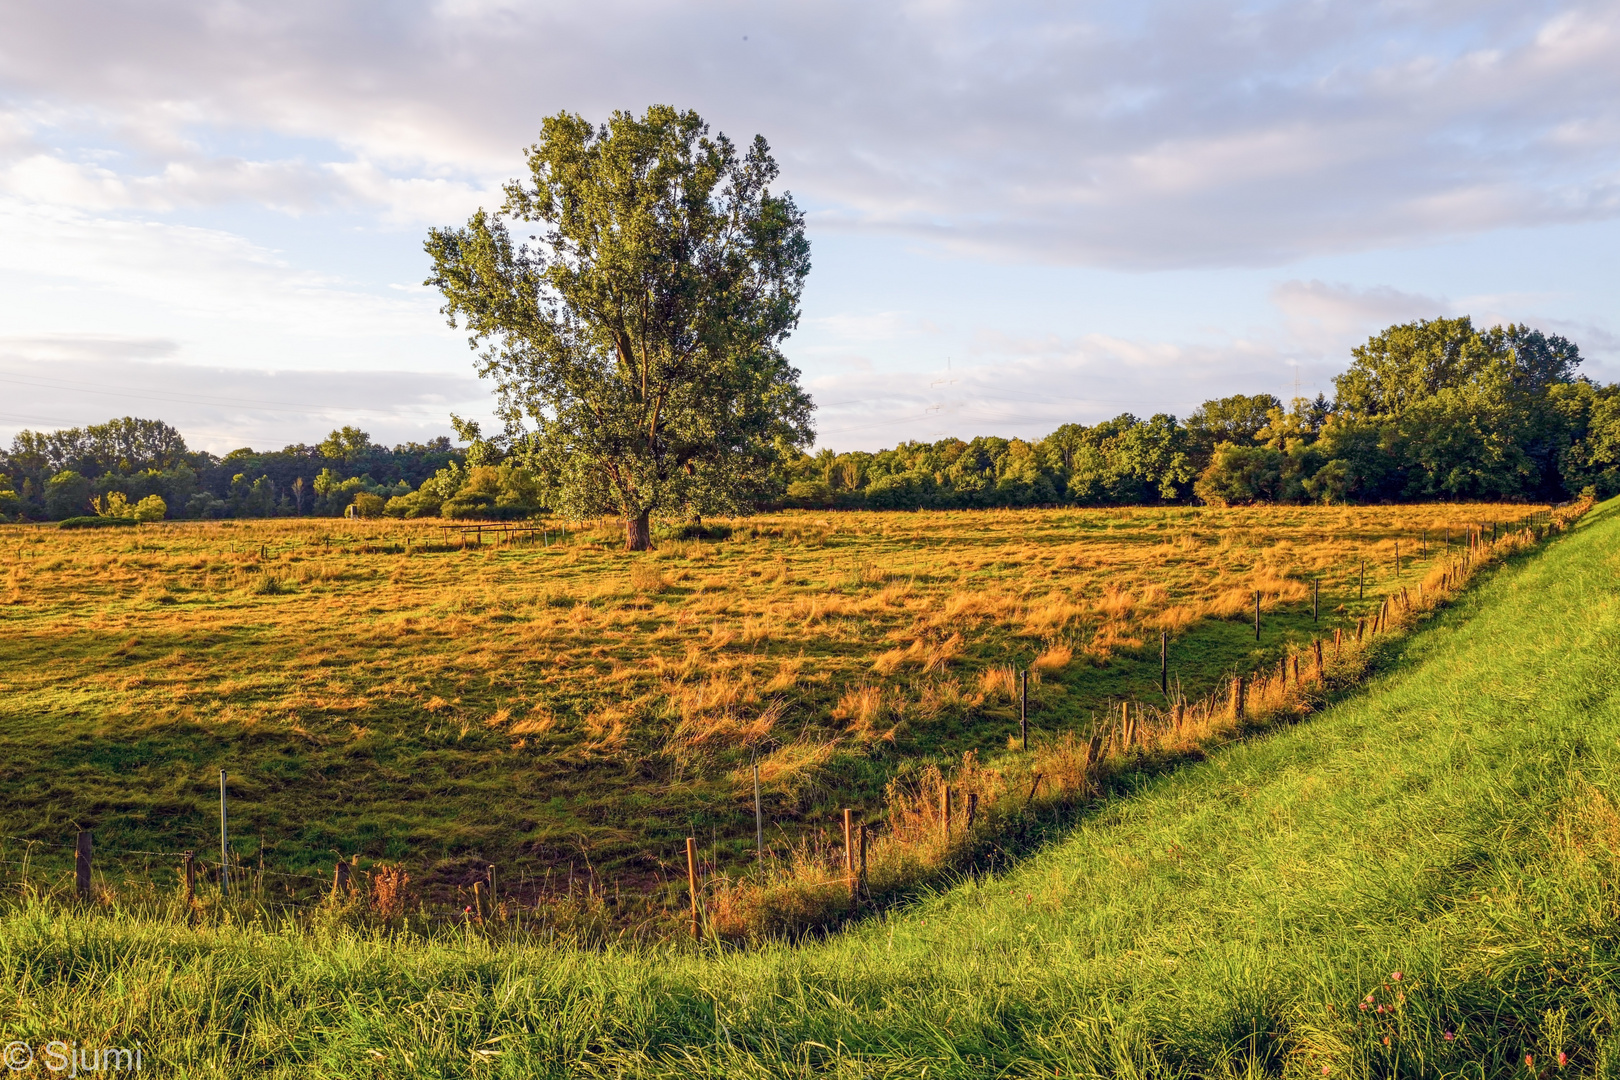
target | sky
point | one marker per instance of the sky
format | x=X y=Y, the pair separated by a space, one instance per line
x=1021 y=214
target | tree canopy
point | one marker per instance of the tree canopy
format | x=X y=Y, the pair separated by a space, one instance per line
x=634 y=339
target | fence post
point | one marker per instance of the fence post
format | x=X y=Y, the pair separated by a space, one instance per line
x=1164 y=661
x=945 y=810
x=861 y=881
x=224 y=842
x=849 y=849
x=340 y=879
x=691 y=879
x=759 y=819
x=1023 y=708
x=1257 y=615
x=1237 y=697
x=1317 y=644
x=973 y=808
x=81 y=864
x=189 y=868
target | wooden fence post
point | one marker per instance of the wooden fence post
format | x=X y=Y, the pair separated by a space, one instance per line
x=224 y=842
x=691 y=879
x=849 y=848
x=1293 y=660
x=1338 y=634
x=759 y=818
x=189 y=869
x=1257 y=615
x=1316 y=643
x=1237 y=697
x=973 y=808
x=1164 y=661
x=1360 y=626
x=81 y=864
x=1023 y=708
x=340 y=879
x=861 y=882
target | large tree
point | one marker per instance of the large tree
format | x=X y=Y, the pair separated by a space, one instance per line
x=634 y=340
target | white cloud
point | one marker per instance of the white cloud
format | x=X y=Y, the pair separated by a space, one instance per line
x=71 y=380
x=1180 y=134
x=1317 y=310
x=193 y=274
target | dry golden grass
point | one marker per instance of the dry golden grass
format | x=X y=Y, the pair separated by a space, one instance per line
x=936 y=816
x=545 y=703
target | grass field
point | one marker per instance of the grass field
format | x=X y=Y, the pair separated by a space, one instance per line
x=1422 y=880
x=568 y=711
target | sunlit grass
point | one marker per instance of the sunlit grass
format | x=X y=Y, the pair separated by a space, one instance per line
x=1443 y=847
x=372 y=690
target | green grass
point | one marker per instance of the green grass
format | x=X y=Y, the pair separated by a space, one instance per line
x=1456 y=821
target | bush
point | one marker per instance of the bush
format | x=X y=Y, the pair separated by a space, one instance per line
x=367 y=505
x=693 y=530
x=96 y=522
x=151 y=508
x=67 y=494
x=423 y=503
x=810 y=493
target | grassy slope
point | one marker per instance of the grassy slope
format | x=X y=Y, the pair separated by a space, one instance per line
x=1457 y=822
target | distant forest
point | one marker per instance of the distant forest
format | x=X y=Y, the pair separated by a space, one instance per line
x=1434 y=409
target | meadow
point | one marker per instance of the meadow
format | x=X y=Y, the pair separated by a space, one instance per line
x=1419 y=880
x=570 y=713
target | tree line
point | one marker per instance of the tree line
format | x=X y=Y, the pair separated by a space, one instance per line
x=1434 y=409
x=118 y=468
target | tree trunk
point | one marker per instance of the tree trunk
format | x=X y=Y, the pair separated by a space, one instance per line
x=638 y=532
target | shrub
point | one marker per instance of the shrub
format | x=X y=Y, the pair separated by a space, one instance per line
x=151 y=508
x=67 y=494
x=367 y=505
x=693 y=530
x=423 y=503
x=810 y=493
x=94 y=522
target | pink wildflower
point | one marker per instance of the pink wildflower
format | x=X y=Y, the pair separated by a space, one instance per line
x=1449 y=1036
x=1529 y=1061
x=1563 y=1059
x=1396 y=976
